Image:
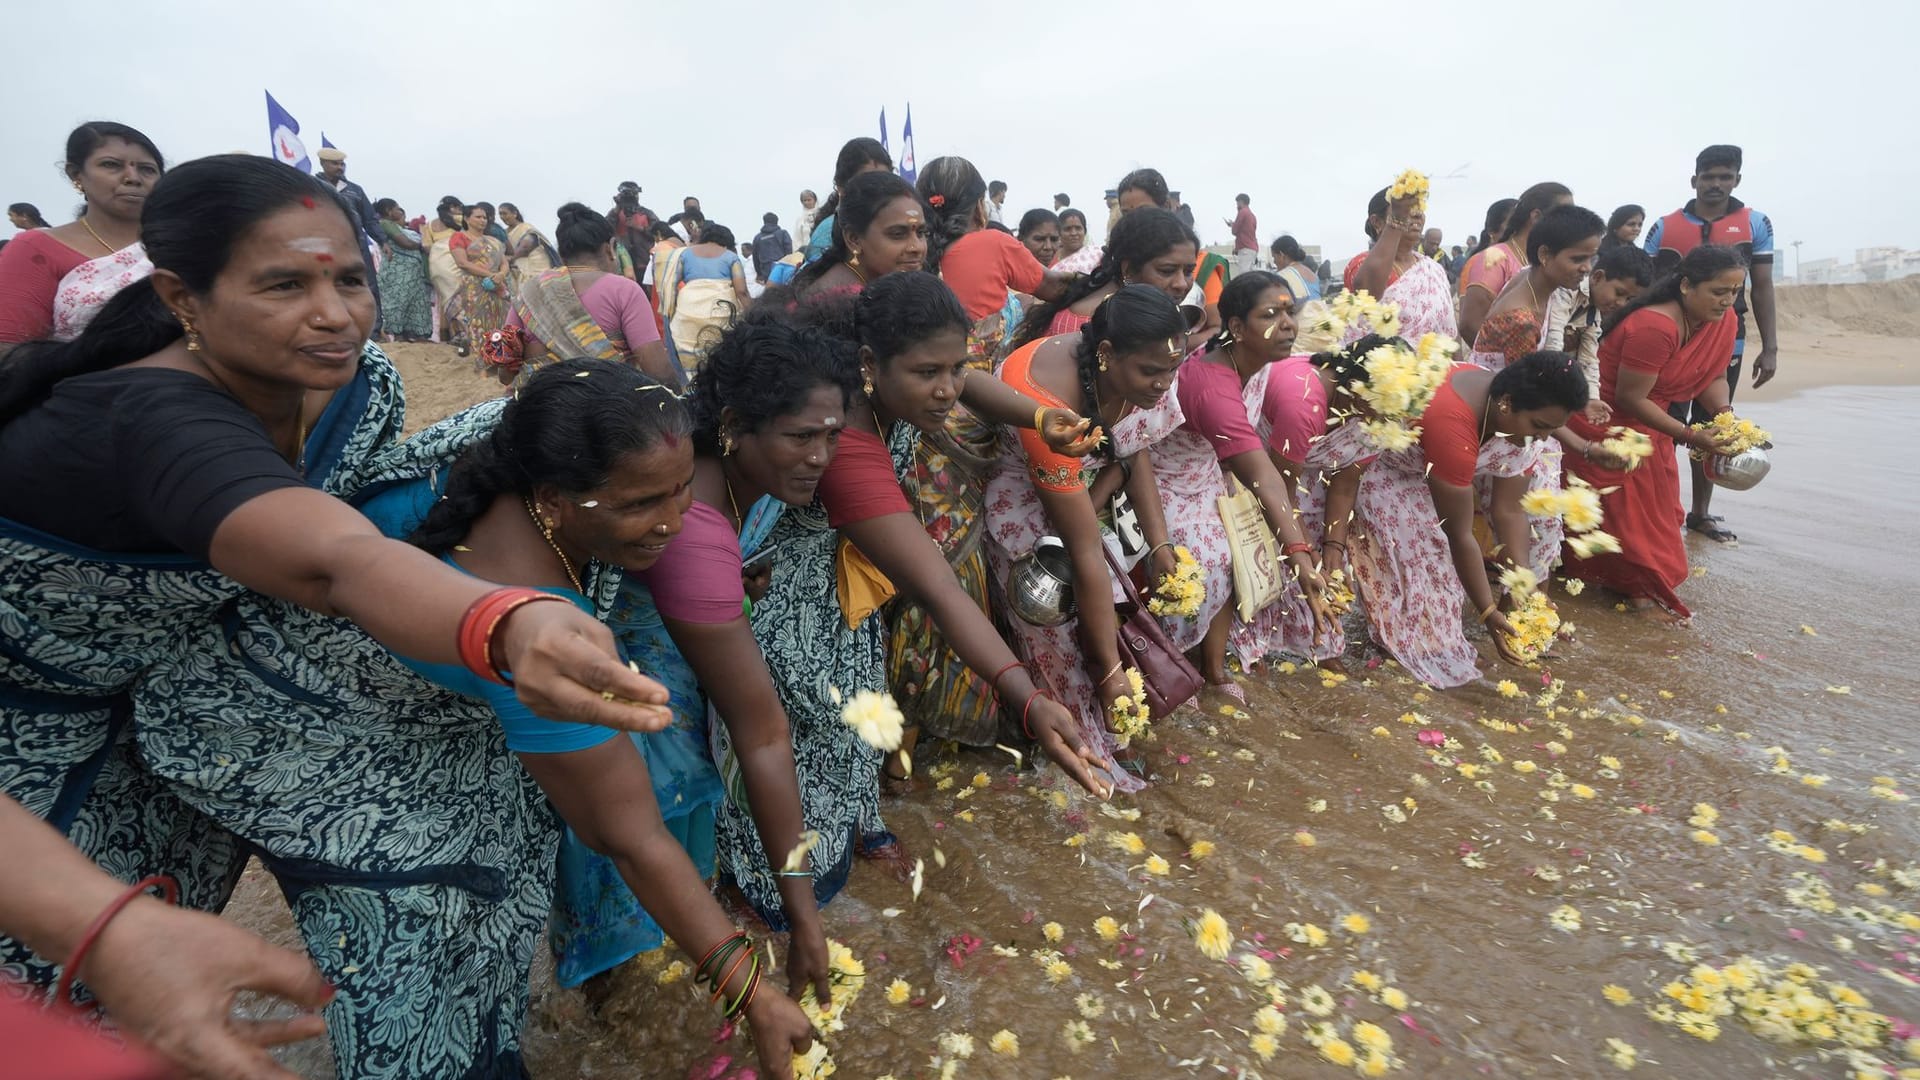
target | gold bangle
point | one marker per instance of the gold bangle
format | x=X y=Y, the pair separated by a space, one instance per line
x=1491 y=608
x=1039 y=418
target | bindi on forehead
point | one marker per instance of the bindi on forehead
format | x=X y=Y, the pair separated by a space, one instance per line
x=307 y=201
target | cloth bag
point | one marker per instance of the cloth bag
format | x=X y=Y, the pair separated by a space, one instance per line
x=1170 y=680
x=1256 y=554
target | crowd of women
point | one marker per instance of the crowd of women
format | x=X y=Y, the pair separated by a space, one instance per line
x=245 y=619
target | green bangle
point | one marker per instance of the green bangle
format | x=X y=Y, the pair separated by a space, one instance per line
x=753 y=973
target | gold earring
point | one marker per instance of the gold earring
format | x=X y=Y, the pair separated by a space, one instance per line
x=77 y=187
x=1103 y=363
x=193 y=337
x=853 y=261
x=866 y=384
x=726 y=444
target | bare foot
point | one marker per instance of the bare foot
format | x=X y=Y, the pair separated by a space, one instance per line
x=1647 y=609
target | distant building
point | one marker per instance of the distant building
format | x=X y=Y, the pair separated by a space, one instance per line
x=1869 y=264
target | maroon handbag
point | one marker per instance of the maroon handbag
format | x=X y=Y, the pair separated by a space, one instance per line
x=1170 y=680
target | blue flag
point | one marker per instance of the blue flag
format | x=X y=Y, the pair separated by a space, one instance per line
x=908 y=170
x=324 y=144
x=884 y=145
x=283 y=132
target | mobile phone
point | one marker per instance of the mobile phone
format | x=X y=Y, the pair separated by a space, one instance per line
x=760 y=560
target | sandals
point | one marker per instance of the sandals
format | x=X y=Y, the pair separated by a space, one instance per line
x=1709 y=527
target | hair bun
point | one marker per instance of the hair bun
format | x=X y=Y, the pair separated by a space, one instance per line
x=574 y=210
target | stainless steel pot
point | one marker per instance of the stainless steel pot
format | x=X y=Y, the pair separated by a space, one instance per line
x=1740 y=471
x=1040 y=588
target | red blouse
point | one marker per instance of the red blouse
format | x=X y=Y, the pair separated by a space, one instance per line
x=1450 y=434
x=860 y=484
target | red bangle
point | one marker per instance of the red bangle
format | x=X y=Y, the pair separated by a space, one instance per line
x=1038 y=692
x=1295 y=548
x=482 y=622
x=995 y=681
x=169 y=892
x=720 y=987
x=721 y=944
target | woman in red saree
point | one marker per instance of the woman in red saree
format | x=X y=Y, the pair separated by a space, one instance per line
x=1669 y=345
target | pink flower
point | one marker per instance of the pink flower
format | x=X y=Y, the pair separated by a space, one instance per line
x=1432 y=737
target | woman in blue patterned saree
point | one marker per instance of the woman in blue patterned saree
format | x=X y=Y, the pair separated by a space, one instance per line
x=178 y=688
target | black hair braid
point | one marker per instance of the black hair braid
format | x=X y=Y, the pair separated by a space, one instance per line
x=1348 y=366
x=481 y=475
x=1034 y=326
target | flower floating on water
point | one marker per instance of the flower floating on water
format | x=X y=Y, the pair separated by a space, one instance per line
x=1622 y=1054
x=875 y=718
x=1565 y=917
x=1157 y=866
x=1089 y=1005
x=1306 y=934
x=1212 y=935
x=1106 y=927
x=1180 y=592
x=1200 y=849
x=1129 y=843
x=815 y=1064
x=1077 y=1034
x=1316 y=1000
x=1618 y=995
x=956 y=1044
x=1356 y=923
x=899 y=992
x=1270 y=1020
x=1264 y=1045
x=1338 y=1051
x=1255 y=968
x=846 y=975
x=1004 y=1042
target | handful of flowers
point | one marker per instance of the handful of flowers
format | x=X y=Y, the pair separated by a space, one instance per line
x=1411 y=182
x=1733 y=434
x=1630 y=444
x=1129 y=712
x=845 y=977
x=1180 y=592
x=1339 y=592
x=1401 y=382
x=1359 y=306
x=1535 y=624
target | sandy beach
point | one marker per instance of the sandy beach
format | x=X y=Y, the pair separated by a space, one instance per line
x=1463 y=871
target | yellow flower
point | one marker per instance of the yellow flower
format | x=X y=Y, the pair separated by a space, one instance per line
x=1053 y=932
x=1303 y=838
x=1608 y=761
x=815 y=1064
x=1375 y=1064
x=1256 y=969
x=875 y=718
x=1524 y=766
x=1212 y=934
x=1372 y=1037
x=1157 y=866
x=1270 y=1020
x=1059 y=971
x=1306 y=934
x=1565 y=917
x=1106 y=927
x=1338 y=1051
x=1264 y=1045
x=1200 y=850
x=1394 y=998
x=1129 y=843
x=956 y=1044
x=1004 y=1042
x=1622 y=1054
x=1508 y=689
x=1574 y=586
x=1703 y=836
x=1617 y=994
x=1077 y=1034
x=1316 y=1000
x=898 y=992
x=1089 y=1005
x=1704 y=816
x=1356 y=923
x=1367 y=980
x=1581 y=791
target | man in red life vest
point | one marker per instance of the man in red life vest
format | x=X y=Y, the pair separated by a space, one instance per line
x=1714 y=216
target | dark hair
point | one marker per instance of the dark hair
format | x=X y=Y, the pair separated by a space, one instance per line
x=1539 y=198
x=1063 y=197
x=1497 y=215
x=1037 y=217
x=505 y=206
x=1237 y=300
x=1146 y=180
x=1623 y=214
x=1624 y=261
x=194 y=218
x=1070 y=212
x=1138 y=238
x=998 y=187
x=90 y=136
x=1129 y=319
x=493 y=214
x=763 y=367
x=660 y=230
x=1288 y=246
x=712 y=232
x=31 y=213
x=1717 y=154
x=582 y=231
x=1348 y=366
x=1541 y=380
x=1377 y=207
x=950 y=188
x=866 y=195
x=567 y=427
x=769 y=218
x=448 y=204
x=1242 y=198
x=382 y=206
x=898 y=311
x=1702 y=264
x=1562 y=227
x=857 y=154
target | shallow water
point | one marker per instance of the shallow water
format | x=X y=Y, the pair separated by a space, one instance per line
x=1458 y=895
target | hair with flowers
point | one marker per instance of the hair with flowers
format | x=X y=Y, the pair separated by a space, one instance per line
x=952 y=189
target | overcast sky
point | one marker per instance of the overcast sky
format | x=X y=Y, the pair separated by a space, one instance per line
x=1308 y=108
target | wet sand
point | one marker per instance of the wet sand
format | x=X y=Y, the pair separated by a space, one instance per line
x=1797 y=668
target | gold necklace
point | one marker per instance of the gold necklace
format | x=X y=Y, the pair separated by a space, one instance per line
x=565 y=563
x=88 y=225
x=731 y=501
